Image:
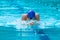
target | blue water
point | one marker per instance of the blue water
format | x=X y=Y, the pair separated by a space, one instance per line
x=10 y=20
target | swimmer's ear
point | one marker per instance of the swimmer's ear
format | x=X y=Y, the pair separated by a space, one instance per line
x=37 y=17
x=24 y=17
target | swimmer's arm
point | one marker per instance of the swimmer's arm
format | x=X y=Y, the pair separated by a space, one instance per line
x=37 y=17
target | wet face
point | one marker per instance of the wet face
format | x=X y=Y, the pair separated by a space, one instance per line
x=31 y=18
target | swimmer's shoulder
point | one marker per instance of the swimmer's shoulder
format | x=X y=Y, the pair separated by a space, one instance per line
x=24 y=16
x=37 y=16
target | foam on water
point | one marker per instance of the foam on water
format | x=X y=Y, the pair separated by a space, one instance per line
x=18 y=23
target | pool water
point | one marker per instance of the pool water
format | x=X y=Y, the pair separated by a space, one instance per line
x=10 y=20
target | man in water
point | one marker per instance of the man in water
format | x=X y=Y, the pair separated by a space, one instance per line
x=30 y=16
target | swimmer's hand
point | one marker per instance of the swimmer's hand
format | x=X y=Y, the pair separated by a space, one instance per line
x=36 y=22
x=31 y=23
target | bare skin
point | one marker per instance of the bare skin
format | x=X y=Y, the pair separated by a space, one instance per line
x=24 y=18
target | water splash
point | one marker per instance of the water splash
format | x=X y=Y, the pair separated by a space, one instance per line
x=17 y=23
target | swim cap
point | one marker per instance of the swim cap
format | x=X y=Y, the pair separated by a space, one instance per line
x=31 y=14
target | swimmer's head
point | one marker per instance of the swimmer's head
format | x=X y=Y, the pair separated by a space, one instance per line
x=31 y=14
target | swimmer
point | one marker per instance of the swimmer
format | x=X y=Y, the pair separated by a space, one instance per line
x=31 y=15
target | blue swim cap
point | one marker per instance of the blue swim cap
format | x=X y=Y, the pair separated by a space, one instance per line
x=31 y=14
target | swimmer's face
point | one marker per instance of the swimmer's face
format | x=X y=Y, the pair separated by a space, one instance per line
x=31 y=18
